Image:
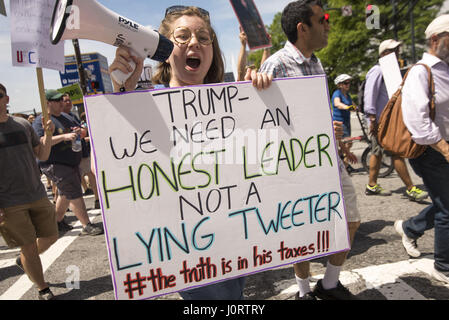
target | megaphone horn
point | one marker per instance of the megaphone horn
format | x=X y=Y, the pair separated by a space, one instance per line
x=88 y=19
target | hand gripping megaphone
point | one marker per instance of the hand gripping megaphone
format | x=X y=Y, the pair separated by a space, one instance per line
x=88 y=19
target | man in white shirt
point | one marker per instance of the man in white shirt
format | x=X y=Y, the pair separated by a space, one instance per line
x=307 y=29
x=433 y=165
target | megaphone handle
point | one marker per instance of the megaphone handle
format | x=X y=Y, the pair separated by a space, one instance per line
x=120 y=77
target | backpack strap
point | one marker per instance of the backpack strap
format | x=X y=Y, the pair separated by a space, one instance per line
x=431 y=88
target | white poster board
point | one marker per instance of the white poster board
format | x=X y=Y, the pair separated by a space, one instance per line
x=391 y=73
x=200 y=184
x=30 y=35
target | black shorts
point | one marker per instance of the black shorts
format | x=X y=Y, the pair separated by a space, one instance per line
x=66 y=178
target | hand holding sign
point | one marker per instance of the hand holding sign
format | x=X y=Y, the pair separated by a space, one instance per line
x=204 y=183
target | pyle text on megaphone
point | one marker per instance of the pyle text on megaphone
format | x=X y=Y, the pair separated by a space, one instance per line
x=88 y=19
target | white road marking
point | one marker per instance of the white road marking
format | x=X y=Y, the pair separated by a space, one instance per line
x=23 y=284
x=384 y=278
x=10 y=251
x=7 y=263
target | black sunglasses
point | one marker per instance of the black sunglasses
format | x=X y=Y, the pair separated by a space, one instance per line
x=179 y=8
x=2 y=95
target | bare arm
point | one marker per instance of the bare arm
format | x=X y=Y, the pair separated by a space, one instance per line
x=241 y=64
x=443 y=148
x=266 y=53
x=42 y=151
x=340 y=105
x=63 y=137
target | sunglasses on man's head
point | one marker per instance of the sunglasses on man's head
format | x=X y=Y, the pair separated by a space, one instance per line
x=179 y=8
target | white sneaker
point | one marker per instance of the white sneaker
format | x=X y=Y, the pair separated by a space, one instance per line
x=409 y=244
x=440 y=276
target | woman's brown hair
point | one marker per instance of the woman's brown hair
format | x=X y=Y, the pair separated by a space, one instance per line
x=216 y=70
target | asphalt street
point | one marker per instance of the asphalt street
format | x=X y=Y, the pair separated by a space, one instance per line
x=377 y=267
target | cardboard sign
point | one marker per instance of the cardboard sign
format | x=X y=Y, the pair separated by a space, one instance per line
x=205 y=183
x=30 y=35
x=391 y=73
x=251 y=23
x=74 y=91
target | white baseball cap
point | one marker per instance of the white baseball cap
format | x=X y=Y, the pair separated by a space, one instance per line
x=389 y=44
x=342 y=78
x=438 y=25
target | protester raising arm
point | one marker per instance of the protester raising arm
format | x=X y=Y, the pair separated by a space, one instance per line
x=241 y=64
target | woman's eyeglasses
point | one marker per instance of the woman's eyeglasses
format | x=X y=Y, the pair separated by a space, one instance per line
x=179 y=8
x=183 y=35
x=346 y=82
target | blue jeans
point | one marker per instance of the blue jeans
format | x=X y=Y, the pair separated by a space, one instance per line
x=347 y=128
x=433 y=168
x=227 y=290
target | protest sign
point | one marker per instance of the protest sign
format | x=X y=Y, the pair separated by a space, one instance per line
x=204 y=183
x=74 y=91
x=391 y=73
x=251 y=23
x=30 y=35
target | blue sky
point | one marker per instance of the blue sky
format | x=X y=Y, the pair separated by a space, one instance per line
x=22 y=84
x=21 y=81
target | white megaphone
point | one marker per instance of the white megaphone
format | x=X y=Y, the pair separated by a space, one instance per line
x=88 y=19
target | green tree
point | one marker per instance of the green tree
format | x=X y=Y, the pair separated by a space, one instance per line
x=353 y=47
x=278 y=40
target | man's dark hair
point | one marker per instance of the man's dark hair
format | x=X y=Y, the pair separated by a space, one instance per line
x=294 y=13
x=2 y=87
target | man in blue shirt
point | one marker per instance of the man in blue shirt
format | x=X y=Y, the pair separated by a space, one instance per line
x=62 y=167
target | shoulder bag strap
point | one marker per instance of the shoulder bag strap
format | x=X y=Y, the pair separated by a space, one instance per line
x=431 y=90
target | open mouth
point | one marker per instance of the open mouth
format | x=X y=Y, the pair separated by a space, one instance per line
x=193 y=62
